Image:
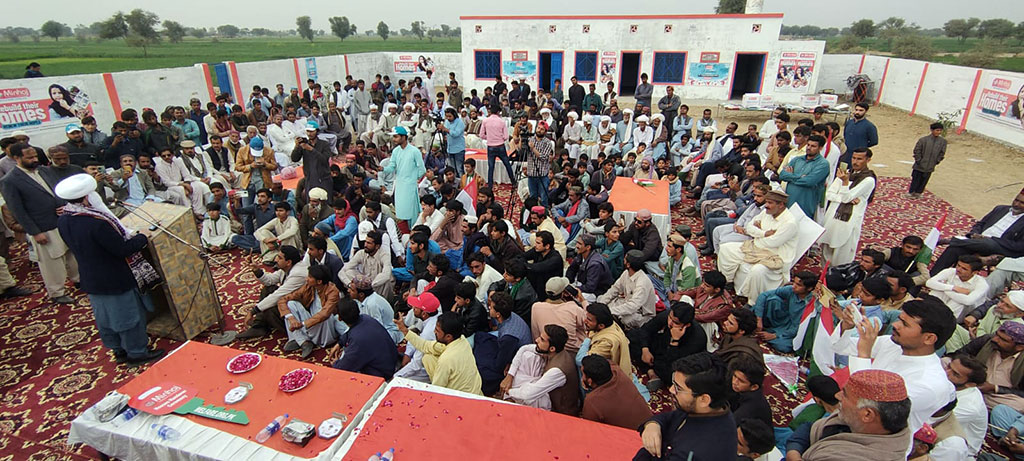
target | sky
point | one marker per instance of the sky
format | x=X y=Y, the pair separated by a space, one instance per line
x=277 y=15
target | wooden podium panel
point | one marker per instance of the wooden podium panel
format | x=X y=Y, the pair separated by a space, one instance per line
x=186 y=300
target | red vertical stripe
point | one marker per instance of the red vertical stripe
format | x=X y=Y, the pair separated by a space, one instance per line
x=920 y=85
x=861 y=67
x=209 y=81
x=115 y=101
x=346 y=64
x=970 y=103
x=881 y=86
x=238 y=87
x=298 y=77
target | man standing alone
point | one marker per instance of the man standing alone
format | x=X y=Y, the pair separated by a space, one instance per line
x=928 y=153
x=858 y=132
x=407 y=164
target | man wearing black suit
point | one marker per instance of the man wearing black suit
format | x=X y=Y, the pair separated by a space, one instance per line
x=1000 y=232
x=28 y=191
x=318 y=255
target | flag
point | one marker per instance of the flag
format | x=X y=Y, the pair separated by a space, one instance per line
x=808 y=314
x=925 y=255
x=468 y=197
x=821 y=349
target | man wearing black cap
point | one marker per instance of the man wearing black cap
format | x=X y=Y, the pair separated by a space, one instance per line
x=32 y=70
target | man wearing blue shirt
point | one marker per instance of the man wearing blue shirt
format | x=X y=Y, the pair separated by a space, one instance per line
x=858 y=132
x=455 y=129
x=187 y=126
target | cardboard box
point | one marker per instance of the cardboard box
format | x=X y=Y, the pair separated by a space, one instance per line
x=767 y=101
x=810 y=101
x=829 y=100
x=751 y=100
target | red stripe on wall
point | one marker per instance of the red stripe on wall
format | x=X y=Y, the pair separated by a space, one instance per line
x=115 y=101
x=209 y=81
x=861 y=67
x=970 y=103
x=346 y=64
x=881 y=86
x=920 y=85
x=234 y=80
x=298 y=77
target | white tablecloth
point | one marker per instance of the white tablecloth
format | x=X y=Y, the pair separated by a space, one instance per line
x=500 y=173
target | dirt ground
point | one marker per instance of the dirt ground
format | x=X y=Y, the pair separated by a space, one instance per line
x=976 y=175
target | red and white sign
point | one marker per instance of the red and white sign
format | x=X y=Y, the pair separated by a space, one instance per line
x=520 y=55
x=163 y=398
x=710 y=56
x=1001 y=100
x=795 y=71
x=42 y=105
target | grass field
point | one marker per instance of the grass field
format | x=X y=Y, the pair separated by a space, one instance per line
x=68 y=56
x=949 y=45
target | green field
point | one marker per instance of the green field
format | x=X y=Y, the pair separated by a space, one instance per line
x=947 y=45
x=68 y=56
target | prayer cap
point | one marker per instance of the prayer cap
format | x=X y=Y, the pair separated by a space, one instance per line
x=709 y=129
x=1016 y=297
x=926 y=434
x=373 y=107
x=256 y=144
x=76 y=186
x=573 y=115
x=317 y=193
x=1015 y=330
x=644 y=213
x=472 y=219
x=425 y=302
x=556 y=285
x=409 y=105
x=677 y=240
x=19 y=133
x=643 y=118
x=635 y=258
x=777 y=195
x=545 y=110
x=627 y=111
x=312 y=126
x=72 y=127
x=877 y=385
x=658 y=116
x=188 y=144
x=363 y=282
x=539 y=210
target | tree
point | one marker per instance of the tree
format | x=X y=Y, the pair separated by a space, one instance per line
x=731 y=7
x=197 y=32
x=863 y=29
x=141 y=30
x=340 y=27
x=892 y=28
x=174 y=31
x=913 y=46
x=446 y=30
x=303 y=26
x=984 y=54
x=846 y=44
x=417 y=29
x=352 y=29
x=997 y=29
x=382 y=30
x=261 y=32
x=1020 y=32
x=433 y=33
x=227 y=31
x=115 y=27
x=961 y=29
x=52 y=29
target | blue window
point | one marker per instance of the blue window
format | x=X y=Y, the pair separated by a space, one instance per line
x=586 y=66
x=668 y=67
x=488 y=64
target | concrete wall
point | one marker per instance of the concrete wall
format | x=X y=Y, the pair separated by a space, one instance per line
x=835 y=68
x=693 y=34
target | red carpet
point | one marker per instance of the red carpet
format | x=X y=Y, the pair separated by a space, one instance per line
x=52 y=365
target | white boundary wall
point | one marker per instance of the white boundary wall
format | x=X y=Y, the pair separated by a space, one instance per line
x=921 y=88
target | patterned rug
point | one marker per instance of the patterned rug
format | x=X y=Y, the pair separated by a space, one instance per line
x=53 y=367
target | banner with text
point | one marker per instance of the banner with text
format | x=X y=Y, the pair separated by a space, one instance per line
x=409 y=64
x=1002 y=99
x=795 y=71
x=38 y=107
x=708 y=74
x=519 y=69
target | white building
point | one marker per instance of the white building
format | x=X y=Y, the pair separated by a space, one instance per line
x=718 y=56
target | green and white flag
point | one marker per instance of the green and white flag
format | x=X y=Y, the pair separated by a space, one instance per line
x=925 y=255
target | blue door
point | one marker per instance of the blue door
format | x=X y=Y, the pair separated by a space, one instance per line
x=220 y=73
x=556 y=68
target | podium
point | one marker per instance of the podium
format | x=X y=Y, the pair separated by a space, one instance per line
x=185 y=301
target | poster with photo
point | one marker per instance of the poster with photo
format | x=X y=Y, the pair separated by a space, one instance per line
x=40 y=105
x=1001 y=99
x=410 y=64
x=515 y=70
x=795 y=71
x=609 y=63
x=708 y=74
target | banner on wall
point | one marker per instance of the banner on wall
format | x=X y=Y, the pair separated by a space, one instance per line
x=409 y=64
x=519 y=69
x=311 y=68
x=1002 y=99
x=795 y=71
x=39 y=107
x=708 y=74
x=609 y=62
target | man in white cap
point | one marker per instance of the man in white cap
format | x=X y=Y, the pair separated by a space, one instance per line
x=28 y=193
x=178 y=179
x=201 y=165
x=407 y=165
x=624 y=133
x=1010 y=308
x=114 y=269
x=372 y=123
x=763 y=263
x=382 y=135
x=315 y=155
x=572 y=134
x=642 y=133
x=316 y=210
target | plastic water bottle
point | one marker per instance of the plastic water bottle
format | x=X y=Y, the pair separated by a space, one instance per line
x=388 y=455
x=124 y=417
x=165 y=433
x=271 y=428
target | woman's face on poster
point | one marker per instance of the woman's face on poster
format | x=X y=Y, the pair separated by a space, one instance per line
x=55 y=94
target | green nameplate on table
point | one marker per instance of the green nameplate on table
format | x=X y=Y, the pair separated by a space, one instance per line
x=196 y=407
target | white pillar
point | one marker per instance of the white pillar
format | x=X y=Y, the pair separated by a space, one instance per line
x=754 y=6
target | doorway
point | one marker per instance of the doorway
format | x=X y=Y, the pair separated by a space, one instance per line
x=747 y=75
x=630 y=74
x=549 y=69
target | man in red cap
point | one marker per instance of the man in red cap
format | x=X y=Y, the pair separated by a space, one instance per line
x=871 y=424
x=425 y=308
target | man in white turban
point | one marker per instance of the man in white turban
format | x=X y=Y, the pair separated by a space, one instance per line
x=572 y=134
x=624 y=133
x=372 y=124
x=113 y=270
x=606 y=135
x=643 y=133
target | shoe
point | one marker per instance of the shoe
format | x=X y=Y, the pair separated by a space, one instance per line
x=151 y=355
x=14 y=292
x=120 y=356
x=703 y=246
x=290 y=346
x=653 y=385
x=307 y=349
x=63 y=300
x=252 y=332
x=699 y=234
x=707 y=251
